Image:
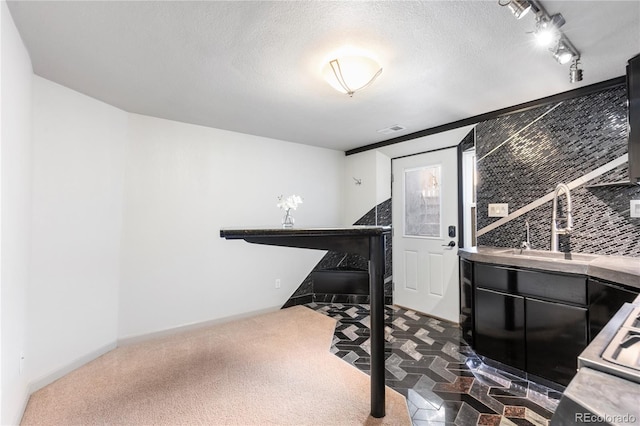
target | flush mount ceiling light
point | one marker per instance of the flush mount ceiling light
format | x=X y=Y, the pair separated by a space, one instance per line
x=548 y=33
x=519 y=8
x=352 y=72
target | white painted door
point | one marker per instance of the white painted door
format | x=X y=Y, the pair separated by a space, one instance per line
x=425 y=211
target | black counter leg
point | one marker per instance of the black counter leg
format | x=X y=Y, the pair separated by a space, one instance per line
x=376 y=294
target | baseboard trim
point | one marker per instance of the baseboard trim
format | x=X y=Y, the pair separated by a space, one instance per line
x=78 y=362
x=38 y=384
x=25 y=401
x=127 y=341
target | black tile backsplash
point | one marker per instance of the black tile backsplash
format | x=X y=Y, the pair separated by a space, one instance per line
x=523 y=156
x=468 y=142
x=379 y=215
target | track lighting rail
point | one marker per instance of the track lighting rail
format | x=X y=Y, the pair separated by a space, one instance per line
x=549 y=34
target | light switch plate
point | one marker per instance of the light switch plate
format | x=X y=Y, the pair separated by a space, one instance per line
x=634 y=206
x=498 y=210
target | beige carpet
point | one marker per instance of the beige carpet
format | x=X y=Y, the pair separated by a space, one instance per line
x=269 y=369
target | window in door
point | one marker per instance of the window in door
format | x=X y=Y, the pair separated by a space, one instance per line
x=422 y=216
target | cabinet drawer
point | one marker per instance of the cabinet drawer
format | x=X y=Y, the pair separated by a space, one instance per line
x=556 y=287
x=495 y=277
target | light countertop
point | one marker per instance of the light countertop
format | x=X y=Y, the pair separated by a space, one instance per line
x=618 y=269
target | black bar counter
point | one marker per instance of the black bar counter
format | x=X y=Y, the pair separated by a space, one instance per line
x=367 y=241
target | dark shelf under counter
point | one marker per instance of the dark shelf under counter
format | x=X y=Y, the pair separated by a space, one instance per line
x=340 y=281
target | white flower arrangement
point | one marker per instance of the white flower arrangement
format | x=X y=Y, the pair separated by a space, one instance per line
x=291 y=202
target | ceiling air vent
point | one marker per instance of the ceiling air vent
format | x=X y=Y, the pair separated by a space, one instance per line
x=393 y=129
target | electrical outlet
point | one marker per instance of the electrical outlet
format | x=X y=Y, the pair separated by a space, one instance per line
x=498 y=210
x=634 y=206
x=277 y=282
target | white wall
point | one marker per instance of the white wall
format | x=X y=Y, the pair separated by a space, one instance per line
x=185 y=182
x=373 y=168
x=79 y=162
x=15 y=202
x=359 y=198
x=115 y=257
x=383 y=177
x=110 y=224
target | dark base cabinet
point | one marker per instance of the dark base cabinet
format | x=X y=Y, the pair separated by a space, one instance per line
x=535 y=321
x=500 y=332
x=604 y=301
x=466 y=301
x=555 y=335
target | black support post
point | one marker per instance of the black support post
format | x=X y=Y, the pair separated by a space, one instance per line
x=376 y=294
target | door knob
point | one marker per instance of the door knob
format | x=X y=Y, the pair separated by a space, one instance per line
x=451 y=244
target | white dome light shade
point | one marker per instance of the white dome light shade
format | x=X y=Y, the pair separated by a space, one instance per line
x=348 y=74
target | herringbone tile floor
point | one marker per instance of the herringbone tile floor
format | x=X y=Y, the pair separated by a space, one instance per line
x=441 y=377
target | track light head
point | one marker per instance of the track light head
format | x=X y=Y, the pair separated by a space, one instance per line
x=575 y=73
x=564 y=52
x=519 y=8
x=548 y=29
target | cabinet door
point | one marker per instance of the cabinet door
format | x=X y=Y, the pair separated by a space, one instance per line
x=466 y=300
x=499 y=327
x=604 y=301
x=556 y=335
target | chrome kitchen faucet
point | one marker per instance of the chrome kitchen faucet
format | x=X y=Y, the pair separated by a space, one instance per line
x=555 y=231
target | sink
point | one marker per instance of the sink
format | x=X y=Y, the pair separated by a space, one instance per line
x=550 y=255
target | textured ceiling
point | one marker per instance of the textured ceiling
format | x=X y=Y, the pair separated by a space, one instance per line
x=254 y=67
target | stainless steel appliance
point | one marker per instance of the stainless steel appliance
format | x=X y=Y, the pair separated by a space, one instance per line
x=624 y=348
x=616 y=349
x=606 y=389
